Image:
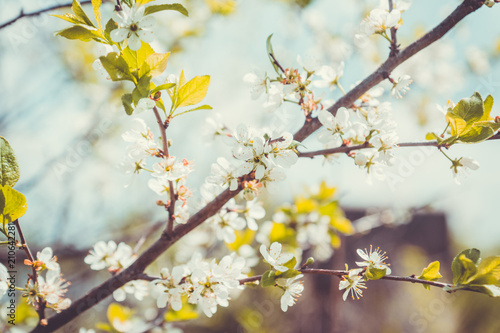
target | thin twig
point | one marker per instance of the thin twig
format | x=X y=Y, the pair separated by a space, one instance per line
x=22 y=14
x=171 y=190
x=343 y=273
x=347 y=149
x=40 y=308
x=394 y=40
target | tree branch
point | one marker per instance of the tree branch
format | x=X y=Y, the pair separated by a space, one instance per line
x=394 y=41
x=22 y=14
x=343 y=273
x=464 y=9
x=347 y=149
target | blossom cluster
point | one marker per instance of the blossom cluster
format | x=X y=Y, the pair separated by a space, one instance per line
x=373 y=267
x=382 y=18
x=50 y=287
x=207 y=284
x=169 y=173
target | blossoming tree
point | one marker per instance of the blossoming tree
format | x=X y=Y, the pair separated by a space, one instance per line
x=359 y=125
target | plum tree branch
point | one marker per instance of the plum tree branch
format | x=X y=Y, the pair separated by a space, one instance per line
x=166 y=240
x=347 y=149
x=38 y=12
x=343 y=273
x=465 y=8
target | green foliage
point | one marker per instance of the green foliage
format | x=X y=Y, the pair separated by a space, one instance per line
x=270 y=53
x=117 y=67
x=78 y=10
x=12 y=204
x=9 y=172
x=175 y=6
x=472 y=273
x=469 y=121
x=188 y=93
x=80 y=32
x=373 y=273
x=142 y=89
x=430 y=273
x=268 y=279
x=96 y=6
x=127 y=103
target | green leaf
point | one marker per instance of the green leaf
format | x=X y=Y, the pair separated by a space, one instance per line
x=193 y=91
x=116 y=67
x=15 y=204
x=110 y=26
x=488 y=105
x=81 y=33
x=203 y=107
x=373 y=273
x=159 y=103
x=270 y=54
x=78 y=10
x=137 y=59
x=268 y=279
x=164 y=86
x=71 y=18
x=488 y=272
x=96 y=6
x=175 y=6
x=431 y=136
x=290 y=264
x=9 y=173
x=142 y=89
x=430 y=273
x=470 y=109
x=157 y=63
x=457 y=266
x=127 y=103
x=288 y=274
x=479 y=132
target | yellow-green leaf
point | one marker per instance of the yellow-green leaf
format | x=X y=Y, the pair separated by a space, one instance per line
x=14 y=204
x=268 y=279
x=71 y=18
x=96 y=5
x=175 y=6
x=117 y=312
x=9 y=169
x=157 y=63
x=80 y=32
x=430 y=273
x=116 y=67
x=193 y=91
x=187 y=312
x=78 y=10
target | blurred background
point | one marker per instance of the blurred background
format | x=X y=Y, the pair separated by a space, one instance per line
x=65 y=123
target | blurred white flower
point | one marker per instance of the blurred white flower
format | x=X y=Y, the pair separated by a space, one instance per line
x=293 y=290
x=275 y=257
x=462 y=166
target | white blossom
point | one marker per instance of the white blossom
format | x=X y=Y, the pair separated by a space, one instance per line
x=133 y=26
x=373 y=259
x=353 y=283
x=275 y=257
x=462 y=166
x=293 y=290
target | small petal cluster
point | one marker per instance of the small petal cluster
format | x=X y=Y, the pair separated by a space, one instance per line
x=292 y=85
x=383 y=18
x=462 y=166
x=169 y=173
x=373 y=259
x=232 y=217
x=373 y=267
x=368 y=122
x=50 y=288
x=44 y=260
x=293 y=289
x=275 y=257
x=111 y=256
x=133 y=26
x=401 y=86
x=207 y=284
x=353 y=283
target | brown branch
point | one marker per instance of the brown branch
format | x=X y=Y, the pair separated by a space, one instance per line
x=347 y=149
x=464 y=9
x=23 y=14
x=343 y=273
x=40 y=304
x=134 y=271
x=394 y=41
x=173 y=197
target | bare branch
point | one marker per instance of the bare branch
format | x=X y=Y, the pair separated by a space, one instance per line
x=41 y=11
x=347 y=149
